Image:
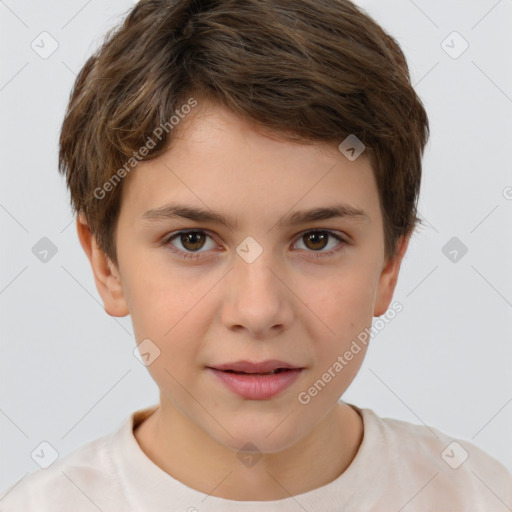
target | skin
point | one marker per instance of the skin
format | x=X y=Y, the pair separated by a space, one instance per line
x=285 y=305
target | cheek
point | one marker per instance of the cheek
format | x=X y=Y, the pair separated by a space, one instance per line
x=346 y=305
x=174 y=311
x=167 y=316
x=347 y=310
x=157 y=294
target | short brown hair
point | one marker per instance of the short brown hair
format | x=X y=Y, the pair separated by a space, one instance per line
x=311 y=70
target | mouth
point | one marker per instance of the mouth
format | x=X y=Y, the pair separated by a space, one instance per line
x=257 y=381
x=273 y=372
x=268 y=367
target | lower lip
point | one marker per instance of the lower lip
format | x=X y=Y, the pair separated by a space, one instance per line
x=257 y=387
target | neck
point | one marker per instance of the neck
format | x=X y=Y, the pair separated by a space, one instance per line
x=183 y=450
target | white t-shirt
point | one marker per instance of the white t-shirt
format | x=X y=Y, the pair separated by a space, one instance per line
x=399 y=467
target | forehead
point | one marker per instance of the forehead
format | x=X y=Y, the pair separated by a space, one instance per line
x=219 y=161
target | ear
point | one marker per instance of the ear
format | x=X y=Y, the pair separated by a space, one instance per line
x=106 y=274
x=389 y=277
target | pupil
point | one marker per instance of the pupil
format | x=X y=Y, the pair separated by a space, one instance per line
x=315 y=237
x=191 y=238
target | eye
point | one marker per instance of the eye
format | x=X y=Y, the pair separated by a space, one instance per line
x=316 y=240
x=190 y=241
x=194 y=240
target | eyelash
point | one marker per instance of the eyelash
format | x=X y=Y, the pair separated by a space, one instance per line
x=196 y=255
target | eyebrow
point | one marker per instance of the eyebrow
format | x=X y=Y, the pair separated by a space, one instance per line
x=177 y=210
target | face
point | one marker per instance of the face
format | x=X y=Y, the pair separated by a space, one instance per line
x=272 y=284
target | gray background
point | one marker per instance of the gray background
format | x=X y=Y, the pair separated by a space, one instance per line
x=67 y=369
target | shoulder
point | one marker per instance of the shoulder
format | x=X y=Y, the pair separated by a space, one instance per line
x=82 y=480
x=440 y=466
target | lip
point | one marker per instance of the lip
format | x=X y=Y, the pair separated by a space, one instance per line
x=250 y=367
x=252 y=385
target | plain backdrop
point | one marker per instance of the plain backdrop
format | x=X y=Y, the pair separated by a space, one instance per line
x=67 y=370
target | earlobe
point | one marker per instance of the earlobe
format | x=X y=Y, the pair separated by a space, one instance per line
x=389 y=277
x=106 y=275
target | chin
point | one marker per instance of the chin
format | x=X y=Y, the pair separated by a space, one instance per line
x=270 y=436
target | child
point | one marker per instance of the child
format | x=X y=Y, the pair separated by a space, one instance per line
x=245 y=176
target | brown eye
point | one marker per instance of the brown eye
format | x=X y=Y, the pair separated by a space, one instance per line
x=316 y=241
x=190 y=242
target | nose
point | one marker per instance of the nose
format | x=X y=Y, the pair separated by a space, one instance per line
x=257 y=299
